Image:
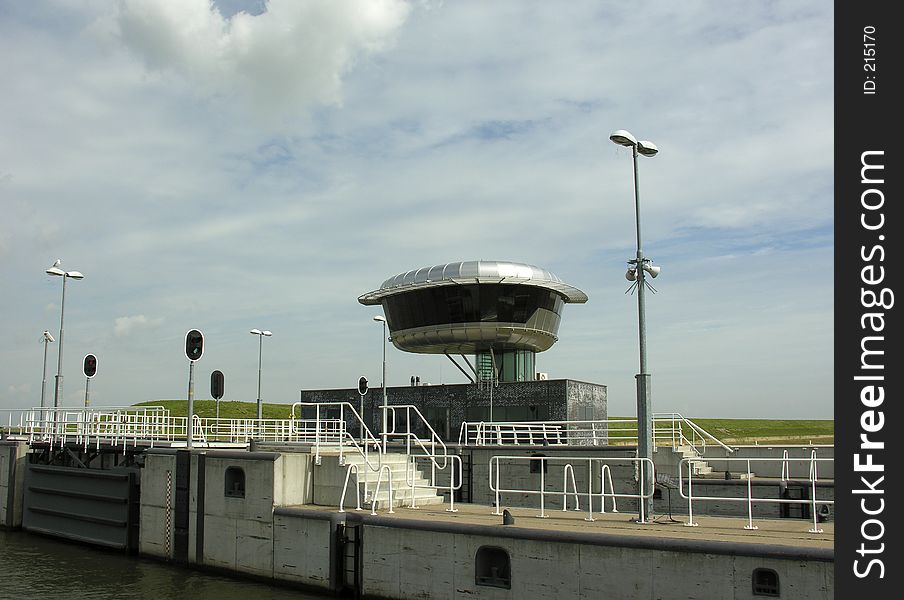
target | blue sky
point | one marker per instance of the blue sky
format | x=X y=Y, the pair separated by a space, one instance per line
x=252 y=164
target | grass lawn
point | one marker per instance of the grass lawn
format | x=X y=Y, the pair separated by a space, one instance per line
x=228 y=410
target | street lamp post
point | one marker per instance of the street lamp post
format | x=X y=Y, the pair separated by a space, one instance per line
x=641 y=264
x=46 y=338
x=260 y=350
x=382 y=319
x=58 y=384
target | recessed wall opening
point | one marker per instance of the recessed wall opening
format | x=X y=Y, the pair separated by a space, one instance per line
x=492 y=567
x=765 y=583
x=536 y=465
x=234 y=482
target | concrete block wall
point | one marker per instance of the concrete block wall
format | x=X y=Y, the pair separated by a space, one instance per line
x=304 y=549
x=157 y=508
x=418 y=564
x=236 y=533
x=12 y=477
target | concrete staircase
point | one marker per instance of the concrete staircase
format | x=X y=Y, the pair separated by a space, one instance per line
x=703 y=470
x=699 y=467
x=329 y=478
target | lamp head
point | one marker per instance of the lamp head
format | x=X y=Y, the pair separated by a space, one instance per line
x=74 y=275
x=623 y=138
x=256 y=331
x=48 y=337
x=380 y=318
x=55 y=271
x=266 y=333
x=647 y=148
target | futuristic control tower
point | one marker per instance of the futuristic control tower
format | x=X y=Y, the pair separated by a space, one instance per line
x=502 y=312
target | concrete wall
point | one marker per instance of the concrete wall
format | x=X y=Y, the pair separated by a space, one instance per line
x=157 y=507
x=419 y=559
x=303 y=547
x=236 y=534
x=409 y=563
x=12 y=476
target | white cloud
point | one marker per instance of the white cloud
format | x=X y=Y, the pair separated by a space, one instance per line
x=123 y=326
x=292 y=55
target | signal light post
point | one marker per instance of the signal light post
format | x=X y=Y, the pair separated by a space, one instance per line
x=194 y=348
x=217 y=387
x=90 y=370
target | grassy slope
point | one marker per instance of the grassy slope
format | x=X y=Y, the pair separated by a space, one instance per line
x=738 y=431
x=228 y=410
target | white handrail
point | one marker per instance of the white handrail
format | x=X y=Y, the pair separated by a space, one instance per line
x=667 y=431
x=411 y=469
x=643 y=494
x=408 y=435
x=569 y=470
x=348 y=475
x=749 y=499
x=373 y=503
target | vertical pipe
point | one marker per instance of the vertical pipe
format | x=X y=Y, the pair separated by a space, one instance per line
x=260 y=351
x=58 y=383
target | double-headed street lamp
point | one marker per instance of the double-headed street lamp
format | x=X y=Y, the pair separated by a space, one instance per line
x=260 y=350
x=382 y=319
x=56 y=270
x=639 y=266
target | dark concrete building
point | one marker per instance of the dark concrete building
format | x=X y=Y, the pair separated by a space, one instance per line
x=447 y=406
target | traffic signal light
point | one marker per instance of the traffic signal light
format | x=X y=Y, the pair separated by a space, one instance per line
x=194 y=345
x=362 y=385
x=217 y=384
x=90 y=366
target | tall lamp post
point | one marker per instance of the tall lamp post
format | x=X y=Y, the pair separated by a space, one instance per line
x=641 y=265
x=382 y=319
x=260 y=350
x=58 y=384
x=46 y=338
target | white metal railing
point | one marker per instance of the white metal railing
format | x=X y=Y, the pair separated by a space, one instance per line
x=594 y=465
x=451 y=461
x=669 y=429
x=151 y=425
x=375 y=499
x=432 y=447
x=811 y=478
x=328 y=436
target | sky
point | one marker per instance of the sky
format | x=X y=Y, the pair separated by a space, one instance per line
x=248 y=164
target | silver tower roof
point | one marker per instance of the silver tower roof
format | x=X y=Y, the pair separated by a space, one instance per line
x=471 y=272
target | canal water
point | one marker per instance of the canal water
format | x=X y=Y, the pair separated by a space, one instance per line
x=40 y=568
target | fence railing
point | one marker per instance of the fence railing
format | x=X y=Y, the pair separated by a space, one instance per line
x=669 y=429
x=328 y=435
x=593 y=465
x=811 y=479
x=451 y=462
x=431 y=447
